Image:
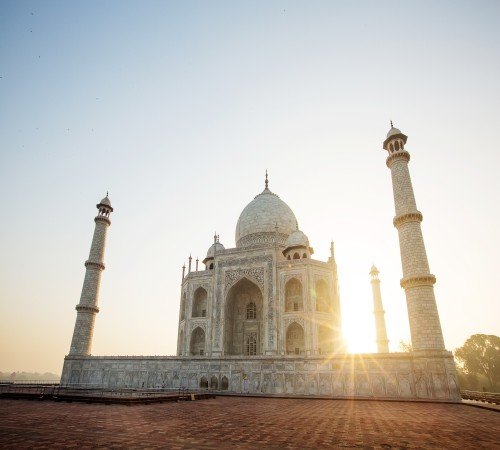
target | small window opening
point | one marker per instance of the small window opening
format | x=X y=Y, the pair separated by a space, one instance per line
x=251 y=345
x=251 y=311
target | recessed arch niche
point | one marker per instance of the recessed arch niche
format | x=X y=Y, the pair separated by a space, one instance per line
x=243 y=332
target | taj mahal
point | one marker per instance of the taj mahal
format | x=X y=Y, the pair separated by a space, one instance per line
x=264 y=316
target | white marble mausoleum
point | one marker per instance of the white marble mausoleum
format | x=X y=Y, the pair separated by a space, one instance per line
x=264 y=316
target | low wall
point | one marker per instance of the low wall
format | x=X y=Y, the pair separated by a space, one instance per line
x=429 y=375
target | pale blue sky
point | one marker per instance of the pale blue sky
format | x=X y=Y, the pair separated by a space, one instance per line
x=178 y=108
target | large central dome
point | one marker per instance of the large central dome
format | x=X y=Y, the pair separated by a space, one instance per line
x=258 y=221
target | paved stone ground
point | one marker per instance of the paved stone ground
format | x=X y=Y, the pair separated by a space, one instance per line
x=236 y=422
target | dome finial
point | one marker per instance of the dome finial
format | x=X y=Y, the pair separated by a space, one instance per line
x=267 y=181
x=392 y=126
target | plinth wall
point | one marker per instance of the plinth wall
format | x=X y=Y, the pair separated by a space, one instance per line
x=422 y=375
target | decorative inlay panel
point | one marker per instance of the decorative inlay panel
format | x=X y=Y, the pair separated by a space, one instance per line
x=262 y=239
x=255 y=273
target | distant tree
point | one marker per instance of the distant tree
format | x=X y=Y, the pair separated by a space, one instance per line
x=480 y=355
x=468 y=381
x=405 y=346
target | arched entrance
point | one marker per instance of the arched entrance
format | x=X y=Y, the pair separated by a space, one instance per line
x=295 y=344
x=197 y=346
x=200 y=303
x=325 y=344
x=323 y=303
x=293 y=296
x=243 y=320
x=181 y=343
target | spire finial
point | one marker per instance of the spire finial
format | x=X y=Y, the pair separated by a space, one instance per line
x=267 y=181
x=392 y=126
x=107 y=193
x=215 y=237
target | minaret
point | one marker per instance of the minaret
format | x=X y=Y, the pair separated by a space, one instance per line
x=417 y=280
x=378 y=311
x=81 y=344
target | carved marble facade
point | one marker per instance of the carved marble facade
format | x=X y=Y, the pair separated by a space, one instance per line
x=265 y=317
x=300 y=293
x=393 y=375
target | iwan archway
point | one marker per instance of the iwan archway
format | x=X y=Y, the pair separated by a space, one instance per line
x=243 y=326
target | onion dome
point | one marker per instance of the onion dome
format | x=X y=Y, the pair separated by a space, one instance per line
x=262 y=218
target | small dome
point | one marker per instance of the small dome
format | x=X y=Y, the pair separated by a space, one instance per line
x=374 y=271
x=297 y=239
x=105 y=201
x=262 y=215
x=217 y=246
x=393 y=131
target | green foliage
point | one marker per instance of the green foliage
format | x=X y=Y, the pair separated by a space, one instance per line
x=480 y=357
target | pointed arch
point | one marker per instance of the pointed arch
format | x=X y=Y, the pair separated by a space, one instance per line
x=323 y=301
x=204 y=382
x=224 y=383
x=199 y=303
x=325 y=339
x=183 y=306
x=197 y=344
x=295 y=341
x=243 y=322
x=181 y=343
x=293 y=295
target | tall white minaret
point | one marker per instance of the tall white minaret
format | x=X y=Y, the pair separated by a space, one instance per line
x=417 y=280
x=378 y=311
x=81 y=344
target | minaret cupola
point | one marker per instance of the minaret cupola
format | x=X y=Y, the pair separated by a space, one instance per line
x=104 y=207
x=374 y=272
x=214 y=248
x=297 y=246
x=395 y=140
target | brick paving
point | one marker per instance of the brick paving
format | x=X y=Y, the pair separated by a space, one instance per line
x=238 y=422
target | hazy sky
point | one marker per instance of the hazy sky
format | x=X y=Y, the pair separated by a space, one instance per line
x=177 y=108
